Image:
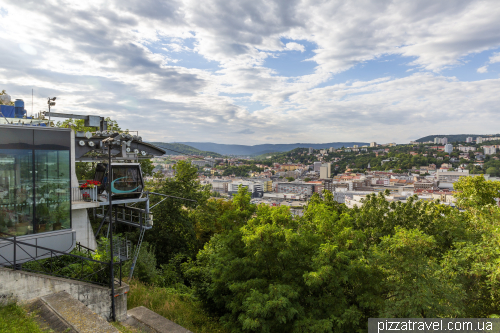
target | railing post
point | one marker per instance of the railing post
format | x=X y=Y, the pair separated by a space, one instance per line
x=15 y=255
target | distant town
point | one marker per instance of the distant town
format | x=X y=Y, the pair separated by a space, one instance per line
x=426 y=169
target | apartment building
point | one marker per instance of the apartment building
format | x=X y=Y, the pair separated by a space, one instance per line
x=490 y=150
x=448 y=148
x=469 y=139
x=466 y=149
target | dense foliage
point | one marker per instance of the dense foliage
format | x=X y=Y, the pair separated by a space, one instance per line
x=264 y=270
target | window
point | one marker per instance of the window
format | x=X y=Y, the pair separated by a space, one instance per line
x=34 y=180
x=16 y=191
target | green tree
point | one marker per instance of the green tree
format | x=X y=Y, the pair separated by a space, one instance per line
x=475 y=192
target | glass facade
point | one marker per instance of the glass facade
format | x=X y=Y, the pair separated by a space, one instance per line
x=35 y=180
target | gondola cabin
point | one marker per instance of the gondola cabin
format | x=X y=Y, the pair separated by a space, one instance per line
x=126 y=180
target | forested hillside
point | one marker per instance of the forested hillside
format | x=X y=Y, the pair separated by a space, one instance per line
x=179 y=147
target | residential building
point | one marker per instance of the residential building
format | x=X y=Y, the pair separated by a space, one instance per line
x=331 y=150
x=469 y=139
x=256 y=188
x=203 y=163
x=373 y=144
x=442 y=141
x=355 y=146
x=466 y=149
x=489 y=150
x=479 y=140
x=448 y=148
x=311 y=150
x=317 y=166
x=325 y=171
x=294 y=187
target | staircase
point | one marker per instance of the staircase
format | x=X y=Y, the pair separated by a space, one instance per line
x=63 y=313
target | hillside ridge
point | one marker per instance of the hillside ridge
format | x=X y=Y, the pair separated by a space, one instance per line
x=227 y=149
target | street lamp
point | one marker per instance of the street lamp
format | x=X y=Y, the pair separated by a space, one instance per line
x=51 y=102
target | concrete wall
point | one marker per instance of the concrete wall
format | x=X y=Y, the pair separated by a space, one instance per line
x=27 y=286
x=81 y=224
x=79 y=218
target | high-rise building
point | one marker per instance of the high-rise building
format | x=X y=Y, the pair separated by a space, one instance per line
x=325 y=171
x=437 y=141
x=479 y=139
x=444 y=141
x=317 y=166
x=310 y=150
x=373 y=144
x=331 y=149
x=448 y=148
x=469 y=139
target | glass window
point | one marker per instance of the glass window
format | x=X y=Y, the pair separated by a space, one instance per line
x=52 y=190
x=16 y=138
x=16 y=191
x=126 y=179
x=52 y=140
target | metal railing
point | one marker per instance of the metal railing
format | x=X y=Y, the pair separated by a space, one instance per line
x=57 y=263
x=77 y=194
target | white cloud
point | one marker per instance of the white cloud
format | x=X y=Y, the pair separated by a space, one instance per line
x=483 y=69
x=117 y=59
x=495 y=58
x=295 y=47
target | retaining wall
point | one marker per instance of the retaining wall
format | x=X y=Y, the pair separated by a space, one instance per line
x=27 y=286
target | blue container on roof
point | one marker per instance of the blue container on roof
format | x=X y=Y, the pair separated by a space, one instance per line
x=19 y=108
x=7 y=111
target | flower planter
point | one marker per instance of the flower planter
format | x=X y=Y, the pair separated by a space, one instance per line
x=91 y=194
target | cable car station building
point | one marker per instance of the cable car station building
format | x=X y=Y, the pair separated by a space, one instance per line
x=40 y=199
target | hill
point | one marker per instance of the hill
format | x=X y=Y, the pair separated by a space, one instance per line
x=264 y=148
x=173 y=148
x=454 y=137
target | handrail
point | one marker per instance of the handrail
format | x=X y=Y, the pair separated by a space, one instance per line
x=58 y=261
x=77 y=195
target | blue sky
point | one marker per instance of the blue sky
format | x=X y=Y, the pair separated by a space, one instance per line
x=252 y=72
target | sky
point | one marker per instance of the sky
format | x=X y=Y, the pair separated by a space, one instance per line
x=258 y=71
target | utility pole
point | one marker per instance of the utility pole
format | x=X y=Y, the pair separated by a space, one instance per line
x=110 y=201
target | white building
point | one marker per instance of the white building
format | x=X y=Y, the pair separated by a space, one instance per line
x=469 y=139
x=447 y=178
x=479 y=139
x=489 y=150
x=310 y=150
x=448 y=148
x=317 y=166
x=442 y=141
x=373 y=144
x=466 y=149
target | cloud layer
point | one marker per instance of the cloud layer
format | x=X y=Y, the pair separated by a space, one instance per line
x=198 y=71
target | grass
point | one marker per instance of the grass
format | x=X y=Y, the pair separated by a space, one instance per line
x=181 y=309
x=14 y=318
x=126 y=329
